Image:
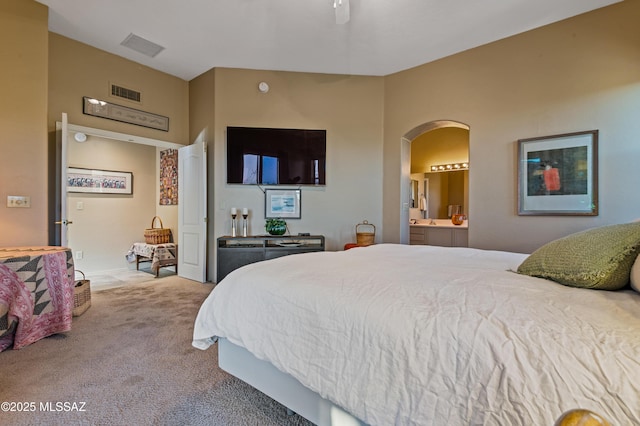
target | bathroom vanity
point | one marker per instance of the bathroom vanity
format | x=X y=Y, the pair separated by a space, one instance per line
x=439 y=232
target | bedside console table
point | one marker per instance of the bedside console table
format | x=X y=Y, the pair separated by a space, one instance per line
x=234 y=252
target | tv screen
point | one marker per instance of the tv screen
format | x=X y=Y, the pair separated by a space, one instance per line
x=261 y=156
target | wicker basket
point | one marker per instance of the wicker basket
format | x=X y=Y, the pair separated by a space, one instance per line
x=155 y=235
x=365 y=233
x=81 y=296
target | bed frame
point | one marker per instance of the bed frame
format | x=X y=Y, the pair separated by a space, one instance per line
x=281 y=387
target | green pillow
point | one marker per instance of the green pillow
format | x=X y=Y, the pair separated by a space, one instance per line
x=599 y=258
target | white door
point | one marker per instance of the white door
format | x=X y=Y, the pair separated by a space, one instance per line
x=62 y=131
x=192 y=211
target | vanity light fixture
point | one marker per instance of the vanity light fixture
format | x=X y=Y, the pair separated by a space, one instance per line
x=450 y=167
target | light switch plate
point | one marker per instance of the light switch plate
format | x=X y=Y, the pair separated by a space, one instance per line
x=18 y=201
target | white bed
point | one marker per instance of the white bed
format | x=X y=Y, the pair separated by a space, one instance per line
x=425 y=335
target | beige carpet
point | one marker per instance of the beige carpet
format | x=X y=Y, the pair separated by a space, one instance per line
x=129 y=360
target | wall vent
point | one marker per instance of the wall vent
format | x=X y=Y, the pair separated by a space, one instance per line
x=123 y=92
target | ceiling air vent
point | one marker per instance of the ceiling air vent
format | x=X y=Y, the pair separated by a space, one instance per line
x=142 y=45
x=123 y=92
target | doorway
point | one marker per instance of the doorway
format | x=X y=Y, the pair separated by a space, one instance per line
x=420 y=134
x=103 y=226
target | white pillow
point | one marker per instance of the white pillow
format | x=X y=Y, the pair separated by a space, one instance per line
x=634 y=278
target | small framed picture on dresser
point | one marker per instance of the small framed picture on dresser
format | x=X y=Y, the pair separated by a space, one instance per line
x=282 y=203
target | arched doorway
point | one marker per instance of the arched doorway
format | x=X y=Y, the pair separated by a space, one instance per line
x=405 y=168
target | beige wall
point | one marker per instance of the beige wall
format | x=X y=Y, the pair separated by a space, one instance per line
x=349 y=108
x=77 y=70
x=23 y=121
x=202 y=106
x=108 y=224
x=579 y=74
x=43 y=75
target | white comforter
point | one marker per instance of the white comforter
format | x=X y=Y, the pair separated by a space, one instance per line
x=432 y=336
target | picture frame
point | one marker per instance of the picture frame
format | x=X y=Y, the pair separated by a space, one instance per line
x=558 y=175
x=99 y=181
x=282 y=203
x=111 y=111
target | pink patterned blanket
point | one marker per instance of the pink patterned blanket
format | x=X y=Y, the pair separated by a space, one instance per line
x=36 y=294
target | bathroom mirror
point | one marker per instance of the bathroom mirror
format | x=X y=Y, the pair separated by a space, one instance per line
x=414 y=194
x=446 y=189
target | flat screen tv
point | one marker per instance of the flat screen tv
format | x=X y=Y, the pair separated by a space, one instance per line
x=261 y=156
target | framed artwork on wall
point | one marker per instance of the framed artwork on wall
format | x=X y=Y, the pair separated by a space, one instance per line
x=558 y=175
x=169 y=177
x=99 y=181
x=108 y=110
x=282 y=203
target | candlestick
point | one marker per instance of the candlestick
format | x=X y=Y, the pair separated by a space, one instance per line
x=245 y=224
x=234 y=213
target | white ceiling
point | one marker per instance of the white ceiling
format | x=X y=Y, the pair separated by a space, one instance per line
x=382 y=36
